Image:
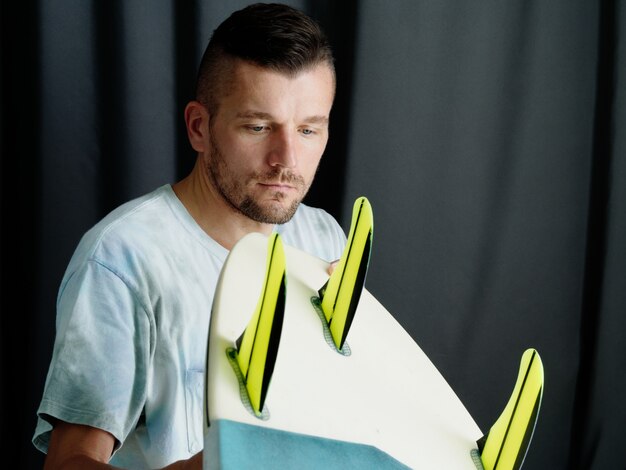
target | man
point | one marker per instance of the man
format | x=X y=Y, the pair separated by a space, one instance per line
x=125 y=382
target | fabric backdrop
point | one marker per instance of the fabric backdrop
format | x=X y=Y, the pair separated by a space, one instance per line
x=489 y=136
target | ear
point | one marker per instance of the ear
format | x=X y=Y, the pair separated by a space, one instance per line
x=197 y=122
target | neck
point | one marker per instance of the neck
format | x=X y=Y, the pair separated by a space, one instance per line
x=222 y=222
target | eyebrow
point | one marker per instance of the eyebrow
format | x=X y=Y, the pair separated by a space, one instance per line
x=268 y=117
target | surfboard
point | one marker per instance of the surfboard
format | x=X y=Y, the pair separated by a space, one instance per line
x=305 y=370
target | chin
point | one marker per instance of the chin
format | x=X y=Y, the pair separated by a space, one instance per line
x=269 y=212
x=282 y=214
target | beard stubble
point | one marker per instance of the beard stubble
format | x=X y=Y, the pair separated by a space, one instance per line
x=233 y=190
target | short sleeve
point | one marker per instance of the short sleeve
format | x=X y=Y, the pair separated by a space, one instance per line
x=98 y=373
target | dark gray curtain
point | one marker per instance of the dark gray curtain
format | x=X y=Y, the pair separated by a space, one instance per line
x=490 y=137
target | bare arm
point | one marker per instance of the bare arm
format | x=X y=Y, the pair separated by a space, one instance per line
x=74 y=446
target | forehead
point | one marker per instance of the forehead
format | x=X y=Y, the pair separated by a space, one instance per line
x=250 y=87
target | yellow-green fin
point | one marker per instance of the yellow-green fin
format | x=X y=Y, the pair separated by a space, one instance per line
x=504 y=447
x=340 y=295
x=258 y=345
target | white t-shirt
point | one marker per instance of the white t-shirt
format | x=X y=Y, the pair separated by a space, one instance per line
x=132 y=321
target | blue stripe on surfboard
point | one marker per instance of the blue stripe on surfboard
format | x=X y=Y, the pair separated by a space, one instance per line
x=236 y=445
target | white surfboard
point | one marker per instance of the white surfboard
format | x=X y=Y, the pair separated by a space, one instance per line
x=379 y=402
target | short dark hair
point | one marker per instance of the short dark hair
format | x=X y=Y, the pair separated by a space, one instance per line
x=271 y=35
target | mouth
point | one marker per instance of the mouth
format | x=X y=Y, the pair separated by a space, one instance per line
x=280 y=186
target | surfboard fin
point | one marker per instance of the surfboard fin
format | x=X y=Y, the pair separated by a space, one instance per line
x=257 y=347
x=504 y=447
x=340 y=295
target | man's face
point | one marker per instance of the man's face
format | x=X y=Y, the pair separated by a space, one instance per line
x=267 y=138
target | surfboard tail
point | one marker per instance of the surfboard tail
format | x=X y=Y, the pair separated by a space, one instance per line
x=340 y=295
x=257 y=347
x=505 y=446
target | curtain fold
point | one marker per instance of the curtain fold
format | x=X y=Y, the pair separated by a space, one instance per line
x=599 y=413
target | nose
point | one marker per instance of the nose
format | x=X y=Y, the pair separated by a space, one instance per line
x=283 y=150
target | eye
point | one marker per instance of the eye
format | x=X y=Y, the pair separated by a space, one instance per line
x=256 y=128
x=306 y=131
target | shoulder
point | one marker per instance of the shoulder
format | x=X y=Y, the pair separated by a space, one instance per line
x=130 y=229
x=127 y=221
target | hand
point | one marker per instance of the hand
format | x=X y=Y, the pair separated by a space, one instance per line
x=194 y=463
x=332 y=266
